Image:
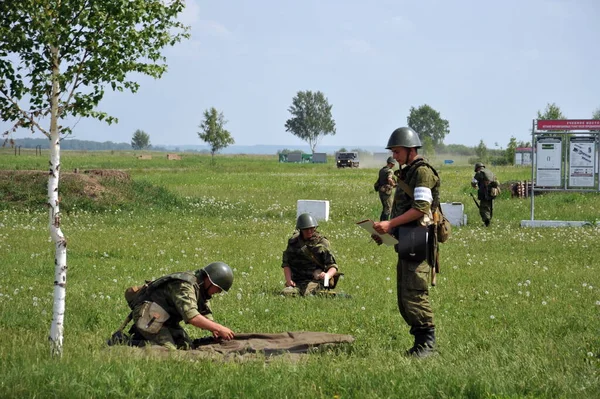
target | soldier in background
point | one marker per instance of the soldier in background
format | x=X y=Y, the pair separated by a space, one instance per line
x=386 y=184
x=308 y=265
x=483 y=180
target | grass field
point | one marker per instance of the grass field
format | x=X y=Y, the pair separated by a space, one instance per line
x=517 y=310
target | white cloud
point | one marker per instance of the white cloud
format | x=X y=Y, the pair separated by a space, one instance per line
x=214 y=28
x=402 y=23
x=530 y=54
x=358 y=46
x=187 y=49
x=557 y=8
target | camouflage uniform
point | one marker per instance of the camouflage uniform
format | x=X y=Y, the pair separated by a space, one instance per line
x=412 y=278
x=306 y=259
x=182 y=300
x=385 y=192
x=486 y=203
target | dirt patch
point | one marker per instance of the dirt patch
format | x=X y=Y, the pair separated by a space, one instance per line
x=118 y=175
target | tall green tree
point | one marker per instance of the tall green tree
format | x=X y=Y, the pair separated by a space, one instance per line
x=213 y=132
x=428 y=123
x=481 y=151
x=311 y=117
x=551 y=112
x=510 y=150
x=428 y=147
x=140 y=140
x=56 y=57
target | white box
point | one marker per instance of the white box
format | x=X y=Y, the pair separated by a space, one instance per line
x=455 y=213
x=319 y=209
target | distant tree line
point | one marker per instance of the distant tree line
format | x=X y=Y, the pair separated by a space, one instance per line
x=81 y=145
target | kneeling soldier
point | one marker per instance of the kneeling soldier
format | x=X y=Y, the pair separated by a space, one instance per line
x=159 y=306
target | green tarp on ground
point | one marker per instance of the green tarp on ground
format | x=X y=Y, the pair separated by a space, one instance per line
x=269 y=344
x=252 y=344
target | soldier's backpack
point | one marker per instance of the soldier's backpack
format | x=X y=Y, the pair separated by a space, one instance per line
x=139 y=293
x=493 y=188
x=494 y=192
x=376 y=185
x=443 y=226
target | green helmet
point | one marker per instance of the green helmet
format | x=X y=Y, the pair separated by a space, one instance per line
x=220 y=274
x=391 y=160
x=306 y=221
x=479 y=165
x=404 y=137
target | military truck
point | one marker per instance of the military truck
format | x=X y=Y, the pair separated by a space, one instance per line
x=347 y=159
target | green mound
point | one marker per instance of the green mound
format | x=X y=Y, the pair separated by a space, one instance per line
x=90 y=190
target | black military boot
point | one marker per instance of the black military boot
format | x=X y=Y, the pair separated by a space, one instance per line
x=424 y=343
x=487 y=222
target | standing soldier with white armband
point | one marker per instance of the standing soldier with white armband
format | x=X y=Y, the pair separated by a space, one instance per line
x=417 y=196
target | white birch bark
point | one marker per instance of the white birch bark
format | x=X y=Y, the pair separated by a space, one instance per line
x=60 y=256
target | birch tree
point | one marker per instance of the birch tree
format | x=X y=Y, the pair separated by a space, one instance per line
x=56 y=58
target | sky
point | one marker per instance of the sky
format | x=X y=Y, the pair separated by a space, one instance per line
x=488 y=67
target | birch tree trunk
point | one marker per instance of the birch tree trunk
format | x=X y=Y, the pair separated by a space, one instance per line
x=60 y=256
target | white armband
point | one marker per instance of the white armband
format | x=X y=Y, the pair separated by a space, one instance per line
x=423 y=194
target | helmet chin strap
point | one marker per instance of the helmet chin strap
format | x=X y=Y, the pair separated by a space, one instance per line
x=407 y=155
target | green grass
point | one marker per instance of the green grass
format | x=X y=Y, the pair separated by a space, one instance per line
x=517 y=310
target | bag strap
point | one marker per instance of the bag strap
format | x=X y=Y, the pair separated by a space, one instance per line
x=406 y=188
x=181 y=276
x=308 y=252
x=441 y=212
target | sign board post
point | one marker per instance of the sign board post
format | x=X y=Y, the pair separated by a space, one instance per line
x=563 y=160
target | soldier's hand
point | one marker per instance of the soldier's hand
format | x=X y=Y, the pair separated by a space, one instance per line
x=290 y=283
x=382 y=227
x=223 y=333
x=377 y=239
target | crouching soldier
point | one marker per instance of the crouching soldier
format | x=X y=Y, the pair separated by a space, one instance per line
x=159 y=306
x=308 y=265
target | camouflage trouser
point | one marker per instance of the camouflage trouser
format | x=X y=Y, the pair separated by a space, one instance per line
x=305 y=288
x=170 y=336
x=412 y=282
x=386 y=203
x=485 y=209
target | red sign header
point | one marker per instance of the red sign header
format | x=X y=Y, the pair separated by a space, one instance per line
x=569 y=124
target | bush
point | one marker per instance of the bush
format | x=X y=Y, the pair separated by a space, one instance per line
x=499 y=161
